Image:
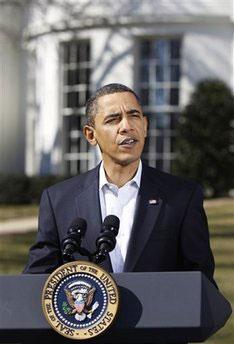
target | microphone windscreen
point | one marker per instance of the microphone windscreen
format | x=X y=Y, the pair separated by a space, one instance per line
x=111 y=221
x=79 y=223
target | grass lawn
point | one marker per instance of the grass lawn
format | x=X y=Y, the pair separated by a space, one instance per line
x=14 y=252
x=220 y=215
x=220 y=212
x=8 y=212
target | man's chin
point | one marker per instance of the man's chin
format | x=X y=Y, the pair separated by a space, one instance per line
x=127 y=161
x=123 y=160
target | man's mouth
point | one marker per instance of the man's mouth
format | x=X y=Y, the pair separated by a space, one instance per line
x=127 y=142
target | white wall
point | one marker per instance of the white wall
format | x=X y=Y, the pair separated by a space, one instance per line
x=113 y=58
x=12 y=89
x=207 y=53
x=82 y=11
x=43 y=149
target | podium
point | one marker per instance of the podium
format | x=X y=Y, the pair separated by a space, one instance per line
x=155 y=307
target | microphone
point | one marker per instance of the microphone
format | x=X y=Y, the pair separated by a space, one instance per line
x=72 y=242
x=107 y=240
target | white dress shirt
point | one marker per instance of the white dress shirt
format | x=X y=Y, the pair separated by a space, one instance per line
x=122 y=203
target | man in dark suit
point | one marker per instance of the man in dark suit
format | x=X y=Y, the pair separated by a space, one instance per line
x=163 y=226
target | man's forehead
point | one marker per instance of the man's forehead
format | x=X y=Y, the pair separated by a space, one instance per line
x=114 y=101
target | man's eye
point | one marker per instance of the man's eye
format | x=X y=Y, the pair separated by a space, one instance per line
x=111 y=120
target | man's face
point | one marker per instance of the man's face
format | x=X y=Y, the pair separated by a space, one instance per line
x=120 y=128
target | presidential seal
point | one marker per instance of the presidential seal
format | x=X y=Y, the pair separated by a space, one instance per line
x=80 y=300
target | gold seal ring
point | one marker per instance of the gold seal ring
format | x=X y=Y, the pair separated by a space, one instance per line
x=80 y=300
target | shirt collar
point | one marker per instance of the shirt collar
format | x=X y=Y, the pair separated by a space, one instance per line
x=103 y=181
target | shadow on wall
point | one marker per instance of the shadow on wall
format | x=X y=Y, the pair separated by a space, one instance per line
x=50 y=161
x=114 y=56
x=206 y=57
x=45 y=165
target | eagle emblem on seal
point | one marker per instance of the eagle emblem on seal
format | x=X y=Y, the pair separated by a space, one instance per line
x=80 y=297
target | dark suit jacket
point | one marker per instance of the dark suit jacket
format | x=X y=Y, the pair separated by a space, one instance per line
x=171 y=235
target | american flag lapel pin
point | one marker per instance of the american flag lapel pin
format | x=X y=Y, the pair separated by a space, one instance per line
x=153 y=201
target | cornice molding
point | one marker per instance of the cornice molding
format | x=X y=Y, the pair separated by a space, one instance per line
x=121 y=22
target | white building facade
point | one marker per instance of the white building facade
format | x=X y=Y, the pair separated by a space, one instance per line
x=160 y=48
x=13 y=66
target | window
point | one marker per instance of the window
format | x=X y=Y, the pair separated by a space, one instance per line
x=76 y=69
x=159 y=77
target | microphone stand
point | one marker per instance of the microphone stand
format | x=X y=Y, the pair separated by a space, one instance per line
x=105 y=243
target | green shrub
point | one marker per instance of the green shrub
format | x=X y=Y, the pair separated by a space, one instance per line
x=205 y=138
x=20 y=189
x=14 y=189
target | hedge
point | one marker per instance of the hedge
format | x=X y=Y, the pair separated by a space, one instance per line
x=21 y=189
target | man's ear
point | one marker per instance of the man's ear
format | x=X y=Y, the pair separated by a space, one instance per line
x=89 y=133
x=145 y=125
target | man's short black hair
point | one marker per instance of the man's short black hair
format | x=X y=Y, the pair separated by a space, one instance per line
x=92 y=103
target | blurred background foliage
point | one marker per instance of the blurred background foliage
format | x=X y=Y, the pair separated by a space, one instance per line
x=21 y=189
x=205 y=138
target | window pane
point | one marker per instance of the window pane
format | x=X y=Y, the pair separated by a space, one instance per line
x=77 y=76
x=87 y=78
x=144 y=96
x=163 y=120
x=82 y=98
x=174 y=96
x=159 y=144
x=161 y=96
x=66 y=53
x=174 y=120
x=152 y=121
x=87 y=92
x=82 y=54
x=144 y=73
x=65 y=78
x=161 y=50
x=83 y=79
x=71 y=77
x=173 y=142
x=72 y=99
x=145 y=49
x=73 y=52
x=146 y=147
x=175 y=73
x=175 y=48
x=159 y=164
x=160 y=75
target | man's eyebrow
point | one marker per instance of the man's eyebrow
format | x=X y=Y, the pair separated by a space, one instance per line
x=116 y=114
x=112 y=115
x=133 y=111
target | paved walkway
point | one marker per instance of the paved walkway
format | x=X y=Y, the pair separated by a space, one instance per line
x=21 y=225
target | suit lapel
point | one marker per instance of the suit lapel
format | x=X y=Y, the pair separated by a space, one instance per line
x=149 y=204
x=88 y=207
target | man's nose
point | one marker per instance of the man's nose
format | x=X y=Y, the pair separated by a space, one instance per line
x=125 y=125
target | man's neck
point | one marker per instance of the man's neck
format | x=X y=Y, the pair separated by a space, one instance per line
x=118 y=174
